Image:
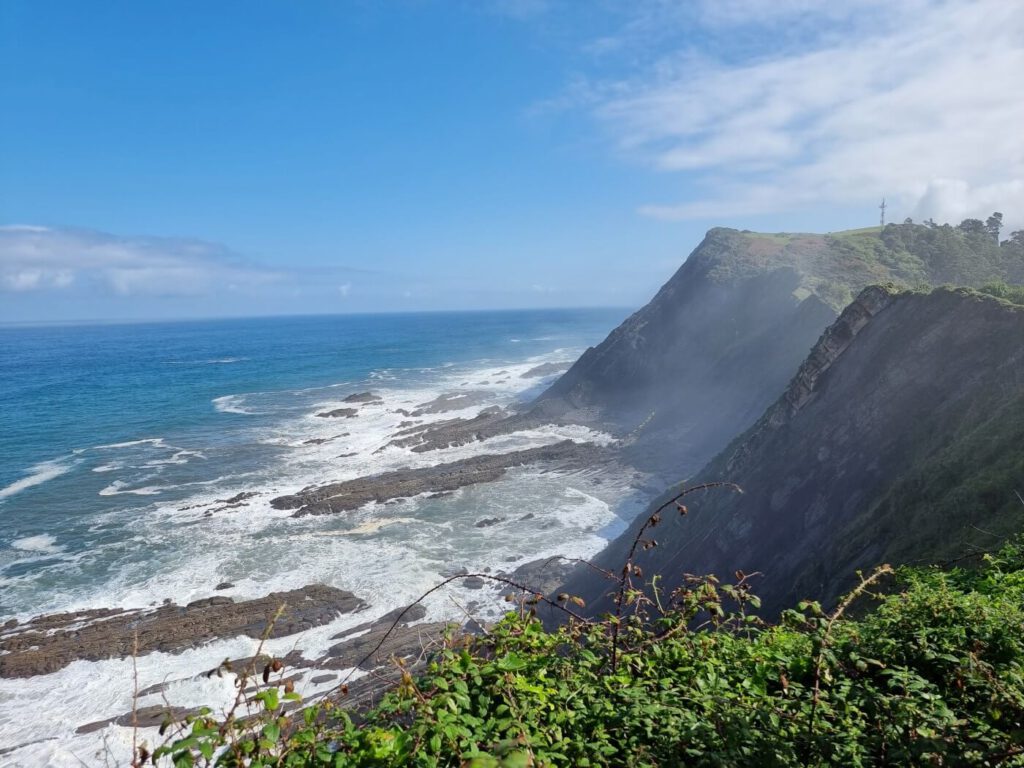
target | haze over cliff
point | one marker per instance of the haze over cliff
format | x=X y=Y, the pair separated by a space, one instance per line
x=899 y=439
x=720 y=340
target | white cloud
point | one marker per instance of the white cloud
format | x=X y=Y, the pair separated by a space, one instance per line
x=344 y=289
x=40 y=258
x=921 y=101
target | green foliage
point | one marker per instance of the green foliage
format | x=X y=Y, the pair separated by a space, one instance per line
x=1011 y=293
x=933 y=675
x=838 y=266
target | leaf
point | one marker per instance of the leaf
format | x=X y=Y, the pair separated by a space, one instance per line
x=512 y=662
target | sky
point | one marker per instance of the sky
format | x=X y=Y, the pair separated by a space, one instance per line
x=181 y=158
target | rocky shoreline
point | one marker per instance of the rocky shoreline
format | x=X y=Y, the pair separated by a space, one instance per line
x=441 y=478
x=47 y=643
x=51 y=642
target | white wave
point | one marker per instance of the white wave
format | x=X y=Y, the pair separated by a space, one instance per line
x=38 y=474
x=119 y=488
x=232 y=404
x=179 y=457
x=156 y=442
x=43 y=543
x=212 y=361
x=387 y=561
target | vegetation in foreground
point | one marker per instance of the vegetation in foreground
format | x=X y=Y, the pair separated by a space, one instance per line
x=920 y=666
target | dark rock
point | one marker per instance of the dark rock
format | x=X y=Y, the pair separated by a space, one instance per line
x=473 y=582
x=352 y=494
x=409 y=614
x=489 y=521
x=839 y=473
x=321 y=679
x=363 y=397
x=48 y=643
x=224 y=585
x=403 y=642
x=210 y=601
x=541 y=576
x=337 y=413
x=546 y=369
x=238 y=498
x=144 y=717
x=452 y=401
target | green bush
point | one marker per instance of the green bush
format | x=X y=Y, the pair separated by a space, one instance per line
x=929 y=673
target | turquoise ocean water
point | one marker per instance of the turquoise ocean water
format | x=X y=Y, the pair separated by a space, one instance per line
x=120 y=445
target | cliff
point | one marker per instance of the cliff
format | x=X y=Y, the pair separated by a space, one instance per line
x=900 y=439
x=720 y=340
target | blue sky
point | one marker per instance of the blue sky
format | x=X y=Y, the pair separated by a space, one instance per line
x=197 y=159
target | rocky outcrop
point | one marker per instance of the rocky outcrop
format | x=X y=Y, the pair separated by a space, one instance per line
x=51 y=642
x=352 y=494
x=339 y=413
x=721 y=339
x=704 y=357
x=546 y=369
x=898 y=441
x=373 y=646
x=452 y=401
x=363 y=397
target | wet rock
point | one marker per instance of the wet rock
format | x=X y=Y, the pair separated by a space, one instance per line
x=412 y=613
x=489 y=521
x=352 y=494
x=452 y=401
x=224 y=585
x=144 y=717
x=403 y=642
x=363 y=397
x=338 y=413
x=543 y=576
x=238 y=498
x=546 y=369
x=207 y=602
x=321 y=679
x=48 y=643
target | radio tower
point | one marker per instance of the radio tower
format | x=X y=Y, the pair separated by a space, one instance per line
x=882 y=209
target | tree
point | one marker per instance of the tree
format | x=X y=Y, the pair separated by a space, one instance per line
x=993 y=224
x=972 y=227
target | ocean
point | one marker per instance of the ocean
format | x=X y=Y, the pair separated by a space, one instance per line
x=117 y=441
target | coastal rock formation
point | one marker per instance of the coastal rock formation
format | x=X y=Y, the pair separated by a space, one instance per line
x=363 y=397
x=51 y=642
x=897 y=441
x=352 y=494
x=546 y=369
x=452 y=401
x=338 y=413
x=722 y=338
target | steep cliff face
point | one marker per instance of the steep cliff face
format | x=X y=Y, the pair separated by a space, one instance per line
x=900 y=439
x=702 y=359
x=722 y=337
x=719 y=341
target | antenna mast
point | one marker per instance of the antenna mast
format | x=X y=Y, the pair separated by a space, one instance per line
x=882 y=209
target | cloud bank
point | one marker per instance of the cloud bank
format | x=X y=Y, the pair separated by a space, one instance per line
x=920 y=101
x=47 y=259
